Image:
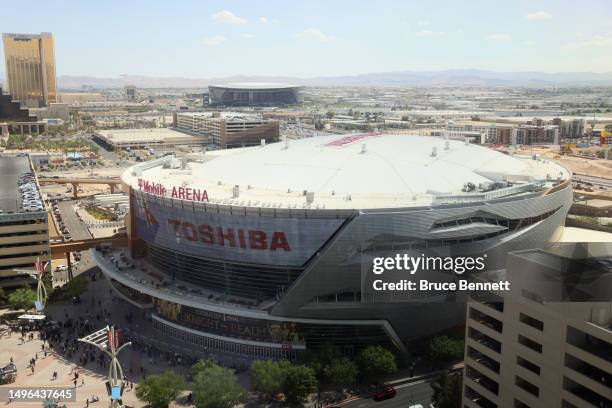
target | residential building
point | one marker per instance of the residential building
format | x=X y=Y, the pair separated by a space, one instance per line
x=30 y=68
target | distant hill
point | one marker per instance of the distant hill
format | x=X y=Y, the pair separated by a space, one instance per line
x=458 y=77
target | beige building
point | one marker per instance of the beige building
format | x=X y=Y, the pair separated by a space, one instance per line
x=30 y=68
x=226 y=130
x=146 y=138
x=76 y=98
x=24 y=234
x=533 y=350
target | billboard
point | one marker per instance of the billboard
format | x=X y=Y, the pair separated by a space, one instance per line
x=231 y=237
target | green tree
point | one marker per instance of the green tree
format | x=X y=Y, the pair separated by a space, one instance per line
x=202 y=365
x=340 y=371
x=443 y=349
x=22 y=298
x=447 y=391
x=216 y=387
x=77 y=286
x=376 y=361
x=300 y=382
x=267 y=376
x=159 y=390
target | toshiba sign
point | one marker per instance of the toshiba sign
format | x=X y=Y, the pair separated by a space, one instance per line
x=240 y=238
x=219 y=235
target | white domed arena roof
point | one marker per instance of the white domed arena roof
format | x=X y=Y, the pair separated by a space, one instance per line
x=350 y=171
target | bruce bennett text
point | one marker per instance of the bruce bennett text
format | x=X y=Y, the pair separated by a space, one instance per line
x=425 y=285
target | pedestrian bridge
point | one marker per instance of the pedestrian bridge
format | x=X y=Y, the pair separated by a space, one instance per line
x=76 y=181
x=83 y=244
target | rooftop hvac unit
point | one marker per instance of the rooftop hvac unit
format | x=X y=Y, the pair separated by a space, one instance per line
x=310 y=197
x=468 y=187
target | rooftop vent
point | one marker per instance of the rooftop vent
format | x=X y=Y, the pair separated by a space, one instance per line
x=219 y=183
x=236 y=191
x=263 y=142
x=364 y=148
x=434 y=151
x=446 y=145
x=310 y=197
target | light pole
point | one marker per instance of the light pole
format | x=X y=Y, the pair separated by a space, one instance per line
x=107 y=340
x=41 y=290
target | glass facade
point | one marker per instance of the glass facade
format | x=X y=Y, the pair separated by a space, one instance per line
x=30 y=68
x=348 y=337
x=250 y=281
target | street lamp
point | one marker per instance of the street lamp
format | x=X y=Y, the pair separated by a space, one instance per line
x=41 y=290
x=107 y=340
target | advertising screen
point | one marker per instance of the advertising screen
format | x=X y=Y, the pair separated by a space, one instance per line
x=251 y=239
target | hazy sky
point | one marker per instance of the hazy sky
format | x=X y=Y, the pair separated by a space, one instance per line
x=203 y=39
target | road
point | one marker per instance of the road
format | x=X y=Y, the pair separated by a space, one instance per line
x=419 y=392
x=598 y=181
x=76 y=228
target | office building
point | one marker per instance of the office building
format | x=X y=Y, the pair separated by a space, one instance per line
x=549 y=342
x=24 y=231
x=30 y=68
x=130 y=93
x=226 y=130
x=18 y=119
x=258 y=251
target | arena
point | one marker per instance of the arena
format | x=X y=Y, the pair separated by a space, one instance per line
x=255 y=94
x=266 y=251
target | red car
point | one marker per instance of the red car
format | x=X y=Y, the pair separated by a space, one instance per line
x=385 y=393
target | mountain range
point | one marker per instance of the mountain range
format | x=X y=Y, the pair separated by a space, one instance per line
x=455 y=77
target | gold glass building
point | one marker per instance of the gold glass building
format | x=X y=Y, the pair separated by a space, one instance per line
x=30 y=68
